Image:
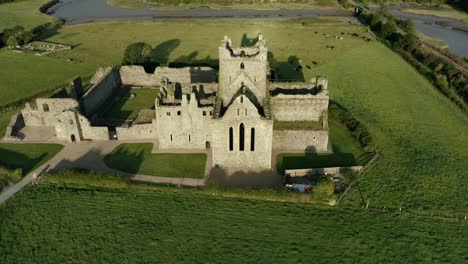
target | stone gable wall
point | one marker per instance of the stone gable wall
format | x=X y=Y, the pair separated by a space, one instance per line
x=185 y=126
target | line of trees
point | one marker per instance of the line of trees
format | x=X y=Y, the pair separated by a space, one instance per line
x=15 y=36
x=400 y=36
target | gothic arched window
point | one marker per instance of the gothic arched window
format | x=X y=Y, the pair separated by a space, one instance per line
x=241 y=137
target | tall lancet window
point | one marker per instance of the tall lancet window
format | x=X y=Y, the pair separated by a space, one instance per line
x=241 y=137
x=231 y=139
x=252 y=139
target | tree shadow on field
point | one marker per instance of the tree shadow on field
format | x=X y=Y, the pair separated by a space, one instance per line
x=248 y=42
x=160 y=54
x=191 y=60
x=286 y=71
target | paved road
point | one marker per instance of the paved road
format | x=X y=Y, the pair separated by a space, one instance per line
x=90 y=155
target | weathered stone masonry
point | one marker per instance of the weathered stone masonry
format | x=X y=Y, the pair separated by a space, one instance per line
x=232 y=113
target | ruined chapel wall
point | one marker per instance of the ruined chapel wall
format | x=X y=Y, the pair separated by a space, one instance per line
x=100 y=92
x=138 y=131
x=298 y=107
x=92 y=132
x=185 y=126
x=245 y=113
x=136 y=75
x=300 y=140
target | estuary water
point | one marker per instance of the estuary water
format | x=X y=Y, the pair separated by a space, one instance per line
x=84 y=11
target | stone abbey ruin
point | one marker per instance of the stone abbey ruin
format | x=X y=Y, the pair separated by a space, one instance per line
x=238 y=113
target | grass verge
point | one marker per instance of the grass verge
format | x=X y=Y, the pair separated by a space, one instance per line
x=137 y=158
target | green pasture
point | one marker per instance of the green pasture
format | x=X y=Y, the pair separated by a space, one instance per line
x=23 y=13
x=62 y=223
x=24 y=75
x=126 y=108
x=422 y=137
x=137 y=158
x=27 y=156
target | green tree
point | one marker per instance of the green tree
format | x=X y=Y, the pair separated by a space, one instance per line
x=12 y=41
x=137 y=53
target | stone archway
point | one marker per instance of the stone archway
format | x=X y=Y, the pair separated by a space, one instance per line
x=207 y=145
x=73 y=138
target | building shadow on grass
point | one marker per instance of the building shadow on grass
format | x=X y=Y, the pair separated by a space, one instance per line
x=246 y=178
x=15 y=160
x=286 y=71
x=125 y=162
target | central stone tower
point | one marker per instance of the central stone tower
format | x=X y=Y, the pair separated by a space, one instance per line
x=243 y=67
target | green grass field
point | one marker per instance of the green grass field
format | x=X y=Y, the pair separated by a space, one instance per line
x=23 y=13
x=61 y=223
x=27 y=156
x=422 y=137
x=137 y=158
x=125 y=108
x=24 y=75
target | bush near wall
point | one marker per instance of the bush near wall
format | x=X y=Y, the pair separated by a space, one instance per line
x=358 y=130
x=8 y=175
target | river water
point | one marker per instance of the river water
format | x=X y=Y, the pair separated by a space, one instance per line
x=84 y=11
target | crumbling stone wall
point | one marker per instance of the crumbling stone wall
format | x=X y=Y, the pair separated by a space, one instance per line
x=92 y=132
x=136 y=75
x=63 y=115
x=247 y=63
x=184 y=126
x=299 y=101
x=138 y=132
x=16 y=123
x=101 y=91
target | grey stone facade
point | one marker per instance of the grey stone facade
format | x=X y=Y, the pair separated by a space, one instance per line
x=233 y=113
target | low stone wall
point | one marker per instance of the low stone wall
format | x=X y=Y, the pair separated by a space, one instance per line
x=301 y=140
x=136 y=132
x=320 y=171
x=100 y=92
x=92 y=132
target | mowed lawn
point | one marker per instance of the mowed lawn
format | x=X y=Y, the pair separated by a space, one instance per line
x=61 y=223
x=23 y=13
x=126 y=108
x=25 y=75
x=27 y=156
x=137 y=158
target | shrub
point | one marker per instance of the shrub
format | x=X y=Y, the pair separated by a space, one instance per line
x=137 y=54
x=12 y=41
